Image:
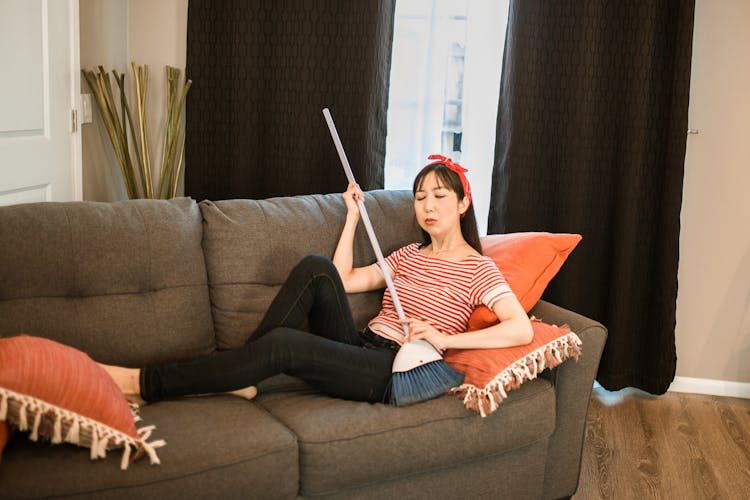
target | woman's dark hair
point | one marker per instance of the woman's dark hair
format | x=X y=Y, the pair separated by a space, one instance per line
x=449 y=179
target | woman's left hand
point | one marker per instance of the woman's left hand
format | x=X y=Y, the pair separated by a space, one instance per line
x=420 y=329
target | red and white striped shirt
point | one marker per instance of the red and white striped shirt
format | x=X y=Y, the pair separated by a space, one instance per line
x=443 y=292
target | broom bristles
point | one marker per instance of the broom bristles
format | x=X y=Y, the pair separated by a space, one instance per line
x=424 y=382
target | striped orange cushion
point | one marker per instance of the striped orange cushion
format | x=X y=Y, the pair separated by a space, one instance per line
x=60 y=393
x=490 y=373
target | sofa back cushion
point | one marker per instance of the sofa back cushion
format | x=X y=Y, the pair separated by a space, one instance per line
x=124 y=282
x=251 y=245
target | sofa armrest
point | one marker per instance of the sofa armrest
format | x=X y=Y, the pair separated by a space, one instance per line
x=573 y=381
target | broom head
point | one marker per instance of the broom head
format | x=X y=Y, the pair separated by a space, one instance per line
x=419 y=374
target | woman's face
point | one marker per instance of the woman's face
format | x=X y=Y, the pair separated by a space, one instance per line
x=437 y=208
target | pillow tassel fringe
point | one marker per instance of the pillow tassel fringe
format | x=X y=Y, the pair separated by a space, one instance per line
x=34 y=436
x=145 y=432
x=487 y=399
x=73 y=432
x=78 y=429
x=3 y=406
x=149 y=448
x=101 y=451
x=94 y=443
x=125 y=461
x=57 y=430
x=23 y=422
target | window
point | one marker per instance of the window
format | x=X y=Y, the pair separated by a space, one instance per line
x=445 y=83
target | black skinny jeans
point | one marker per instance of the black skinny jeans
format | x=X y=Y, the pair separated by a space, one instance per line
x=331 y=356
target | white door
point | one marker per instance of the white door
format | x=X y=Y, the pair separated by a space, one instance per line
x=40 y=146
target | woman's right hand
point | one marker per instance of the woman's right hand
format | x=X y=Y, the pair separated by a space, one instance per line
x=351 y=195
x=360 y=279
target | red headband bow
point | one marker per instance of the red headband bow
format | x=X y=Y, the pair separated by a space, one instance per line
x=455 y=167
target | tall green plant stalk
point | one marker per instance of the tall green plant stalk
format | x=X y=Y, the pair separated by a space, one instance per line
x=129 y=137
x=174 y=135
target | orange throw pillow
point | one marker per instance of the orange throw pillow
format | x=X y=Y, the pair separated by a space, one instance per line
x=528 y=261
x=60 y=393
x=490 y=373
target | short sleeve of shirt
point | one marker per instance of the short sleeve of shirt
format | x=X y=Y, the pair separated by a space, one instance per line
x=488 y=285
x=394 y=259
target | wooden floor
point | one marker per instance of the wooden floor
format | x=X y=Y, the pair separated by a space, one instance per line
x=675 y=446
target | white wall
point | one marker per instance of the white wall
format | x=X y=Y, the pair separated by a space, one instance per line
x=713 y=302
x=103 y=34
x=115 y=33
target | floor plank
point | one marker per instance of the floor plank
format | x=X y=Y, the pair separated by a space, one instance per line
x=673 y=446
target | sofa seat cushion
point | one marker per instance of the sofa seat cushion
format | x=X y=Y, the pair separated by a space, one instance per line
x=218 y=445
x=347 y=444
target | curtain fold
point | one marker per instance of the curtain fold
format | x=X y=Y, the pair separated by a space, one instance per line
x=591 y=137
x=262 y=72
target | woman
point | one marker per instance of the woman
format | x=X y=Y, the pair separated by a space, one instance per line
x=439 y=282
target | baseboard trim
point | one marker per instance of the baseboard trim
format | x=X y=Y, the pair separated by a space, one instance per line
x=710 y=386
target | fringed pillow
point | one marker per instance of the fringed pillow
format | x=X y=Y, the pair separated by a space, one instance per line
x=59 y=393
x=490 y=373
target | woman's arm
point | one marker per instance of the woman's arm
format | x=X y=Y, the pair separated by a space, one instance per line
x=360 y=279
x=514 y=329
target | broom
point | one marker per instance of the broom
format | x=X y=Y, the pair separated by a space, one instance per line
x=419 y=371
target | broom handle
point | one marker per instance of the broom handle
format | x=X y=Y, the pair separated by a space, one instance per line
x=366 y=220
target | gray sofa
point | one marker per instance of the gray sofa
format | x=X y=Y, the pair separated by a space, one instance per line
x=139 y=282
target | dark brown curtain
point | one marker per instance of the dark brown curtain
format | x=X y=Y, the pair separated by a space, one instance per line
x=262 y=71
x=591 y=134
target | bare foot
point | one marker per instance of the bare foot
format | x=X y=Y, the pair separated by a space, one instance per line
x=247 y=393
x=135 y=399
x=128 y=380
